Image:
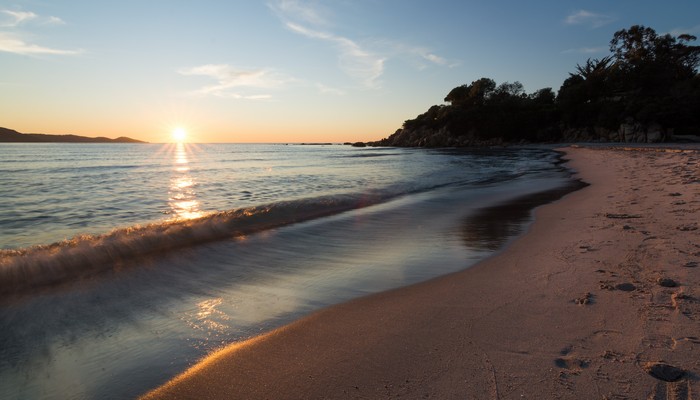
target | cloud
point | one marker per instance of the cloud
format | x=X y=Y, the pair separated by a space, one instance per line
x=586 y=50
x=434 y=58
x=55 y=21
x=361 y=61
x=584 y=17
x=323 y=89
x=229 y=80
x=16 y=18
x=690 y=31
x=295 y=10
x=418 y=55
x=353 y=59
x=10 y=43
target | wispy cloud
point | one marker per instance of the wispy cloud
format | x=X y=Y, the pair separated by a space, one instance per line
x=364 y=62
x=588 y=18
x=418 y=55
x=586 y=50
x=10 y=43
x=10 y=18
x=15 y=18
x=298 y=11
x=232 y=82
x=355 y=60
x=323 y=89
x=690 y=31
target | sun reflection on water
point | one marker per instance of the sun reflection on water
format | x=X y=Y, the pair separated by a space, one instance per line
x=182 y=195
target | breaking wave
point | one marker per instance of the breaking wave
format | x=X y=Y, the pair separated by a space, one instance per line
x=86 y=255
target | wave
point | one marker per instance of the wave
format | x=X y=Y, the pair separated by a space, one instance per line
x=368 y=155
x=87 y=255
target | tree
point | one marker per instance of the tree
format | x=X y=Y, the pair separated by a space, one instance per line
x=475 y=93
x=458 y=95
x=481 y=89
x=653 y=62
x=544 y=96
x=507 y=89
x=634 y=46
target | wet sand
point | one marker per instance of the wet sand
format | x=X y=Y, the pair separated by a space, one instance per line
x=600 y=299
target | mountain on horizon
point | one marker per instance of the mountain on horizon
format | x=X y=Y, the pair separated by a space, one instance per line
x=12 y=136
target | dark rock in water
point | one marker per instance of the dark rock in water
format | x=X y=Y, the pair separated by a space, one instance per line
x=625 y=287
x=666 y=282
x=664 y=372
x=359 y=144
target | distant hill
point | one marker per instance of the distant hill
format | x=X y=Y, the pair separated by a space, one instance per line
x=12 y=136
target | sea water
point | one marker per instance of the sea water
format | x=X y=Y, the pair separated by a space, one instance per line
x=123 y=264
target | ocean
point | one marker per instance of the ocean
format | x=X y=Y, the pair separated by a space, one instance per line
x=121 y=265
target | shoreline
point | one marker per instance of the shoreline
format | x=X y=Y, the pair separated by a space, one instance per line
x=578 y=307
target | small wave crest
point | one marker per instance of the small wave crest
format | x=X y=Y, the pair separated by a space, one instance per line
x=87 y=255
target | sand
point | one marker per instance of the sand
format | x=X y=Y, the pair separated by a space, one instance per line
x=599 y=299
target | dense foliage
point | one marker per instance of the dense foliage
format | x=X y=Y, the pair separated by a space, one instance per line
x=649 y=81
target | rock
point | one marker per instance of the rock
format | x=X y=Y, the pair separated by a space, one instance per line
x=664 y=372
x=359 y=144
x=691 y=264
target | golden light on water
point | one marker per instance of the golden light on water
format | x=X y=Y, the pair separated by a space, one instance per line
x=183 y=196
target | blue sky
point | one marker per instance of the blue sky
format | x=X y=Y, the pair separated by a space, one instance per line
x=283 y=70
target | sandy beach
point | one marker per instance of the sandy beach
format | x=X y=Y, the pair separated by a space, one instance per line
x=600 y=299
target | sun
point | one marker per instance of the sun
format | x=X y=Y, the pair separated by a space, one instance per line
x=179 y=135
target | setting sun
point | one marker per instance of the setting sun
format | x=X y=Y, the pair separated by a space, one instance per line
x=179 y=135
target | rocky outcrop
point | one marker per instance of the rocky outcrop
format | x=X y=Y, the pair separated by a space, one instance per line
x=640 y=133
x=628 y=132
x=431 y=137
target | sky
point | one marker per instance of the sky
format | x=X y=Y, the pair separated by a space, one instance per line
x=287 y=70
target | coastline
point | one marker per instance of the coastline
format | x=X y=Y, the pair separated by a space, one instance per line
x=576 y=308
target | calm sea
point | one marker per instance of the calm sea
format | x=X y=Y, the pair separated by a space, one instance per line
x=123 y=264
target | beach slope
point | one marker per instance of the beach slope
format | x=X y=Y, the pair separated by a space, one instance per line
x=600 y=299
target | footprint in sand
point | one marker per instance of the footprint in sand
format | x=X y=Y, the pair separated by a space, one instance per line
x=672 y=386
x=663 y=371
x=571 y=363
x=666 y=282
x=626 y=287
x=687 y=228
x=587 y=298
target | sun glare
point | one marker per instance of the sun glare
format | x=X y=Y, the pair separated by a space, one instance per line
x=179 y=135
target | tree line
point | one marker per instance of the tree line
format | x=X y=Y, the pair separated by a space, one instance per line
x=648 y=81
